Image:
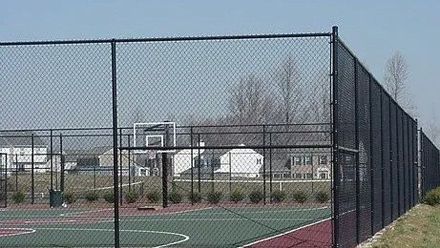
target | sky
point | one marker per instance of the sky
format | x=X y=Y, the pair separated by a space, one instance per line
x=374 y=30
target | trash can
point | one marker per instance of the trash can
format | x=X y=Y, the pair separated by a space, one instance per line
x=56 y=198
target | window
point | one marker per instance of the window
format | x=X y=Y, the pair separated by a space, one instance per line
x=308 y=160
x=276 y=175
x=323 y=159
x=298 y=161
x=258 y=161
x=287 y=175
x=309 y=176
x=298 y=176
x=322 y=175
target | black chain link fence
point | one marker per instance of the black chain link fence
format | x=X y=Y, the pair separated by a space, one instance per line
x=376 y=176
x=252 y=141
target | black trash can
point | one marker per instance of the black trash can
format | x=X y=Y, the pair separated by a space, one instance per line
x=56 y=198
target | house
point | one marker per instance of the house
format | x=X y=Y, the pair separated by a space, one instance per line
x=241 y=162
x=310 y=164
x=18 y=148
x=126 y=160
x=182 y=159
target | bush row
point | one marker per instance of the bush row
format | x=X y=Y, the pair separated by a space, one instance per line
x=432 y=198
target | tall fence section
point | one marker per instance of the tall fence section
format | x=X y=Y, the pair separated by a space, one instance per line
x=229 y=141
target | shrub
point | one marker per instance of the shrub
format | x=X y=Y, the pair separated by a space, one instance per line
x=300 y=197
x=432 y=197
x=153 y=197
x=69 y=198
x=109 y=197
x=256 y=196
x=131 y=197
x=278 y=196
x=195 y=197
x=18 y=197
x=214 y=197
x=237 y=196
x=91 y=196
x=322 y=197
x=175 y=197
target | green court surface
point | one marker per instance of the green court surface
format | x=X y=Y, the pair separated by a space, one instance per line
x=205 y=226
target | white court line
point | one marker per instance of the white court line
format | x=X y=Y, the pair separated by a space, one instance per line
x=25 y=231
x=185 y=237
x=267 y=211
x=284 y=233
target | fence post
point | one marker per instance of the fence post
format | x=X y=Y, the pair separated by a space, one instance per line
x=270 y=166
x=199 y=183
x=230 y=174
x=51 y=160
x=115 y=145
x=356 y=135
x=61 y=164
x=192 y=164
x=391 y=159
x=372 y=169
x=32 y=170
x=336 y=179
x=16 y=172
x=212 y=172
x=264 y=164
x=120 y=170
x=129 y=163
x=165 y=170
x=382 y=166
x=398 y=161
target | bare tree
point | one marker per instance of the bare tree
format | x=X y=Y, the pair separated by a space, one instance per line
x=396 y=77
x=287 y=78
x=250 y=101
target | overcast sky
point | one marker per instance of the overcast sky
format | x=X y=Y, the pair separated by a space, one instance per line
x=373 y=29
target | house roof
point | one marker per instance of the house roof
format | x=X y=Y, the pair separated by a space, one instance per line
x=13 y=139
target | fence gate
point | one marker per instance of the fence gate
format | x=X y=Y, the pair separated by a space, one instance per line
x=3 y=180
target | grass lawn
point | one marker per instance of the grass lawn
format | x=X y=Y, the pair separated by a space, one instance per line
x=420 y=228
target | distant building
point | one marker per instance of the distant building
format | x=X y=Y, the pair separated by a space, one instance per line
x=18 y=148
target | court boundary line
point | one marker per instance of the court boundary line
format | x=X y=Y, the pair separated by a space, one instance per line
x=185 y=237
x=284 y=233
x=27 y=231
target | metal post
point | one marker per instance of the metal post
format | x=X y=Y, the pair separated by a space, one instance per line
x=212 y=172
x=51 y=160
x=192 y=165
x=61 y=164
x=120 y=170
x=32 y=170
x=165 y=171
x=335 y=153
x=372 y=210
x=115 y=145
x=129 y=163
x=398 y=161
x=270 y=166
x=391 y=158
x=94 y=175
x=264 y=165
x=230 y=173
x=199 y=183
x=356 y=135
x=16 y=172
x=381 y=159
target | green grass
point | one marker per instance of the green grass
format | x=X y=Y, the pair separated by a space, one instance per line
x=420 y=228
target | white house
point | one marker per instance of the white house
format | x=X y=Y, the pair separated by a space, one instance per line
x=182 y=159
x=241 y=163
x=18 y=148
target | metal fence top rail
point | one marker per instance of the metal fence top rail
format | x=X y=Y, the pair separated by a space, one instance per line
x=181 y=127
x=166 y=39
